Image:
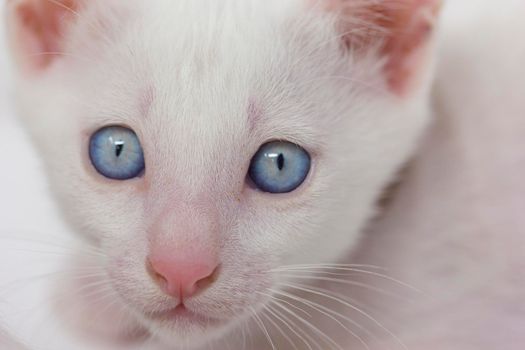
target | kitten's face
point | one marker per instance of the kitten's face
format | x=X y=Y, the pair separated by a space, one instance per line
x=203 y=87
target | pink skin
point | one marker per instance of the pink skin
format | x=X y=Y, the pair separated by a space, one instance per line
x=146 y=100
x=182 y=274
x=43 y=25
x=412 y=22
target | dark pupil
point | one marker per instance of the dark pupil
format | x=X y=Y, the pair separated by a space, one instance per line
x=119 y=147
x=280 y=161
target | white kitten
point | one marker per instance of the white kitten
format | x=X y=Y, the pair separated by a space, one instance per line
x=191 y=249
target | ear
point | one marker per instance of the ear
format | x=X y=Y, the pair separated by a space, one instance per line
x=38 y=30
x=401 y=29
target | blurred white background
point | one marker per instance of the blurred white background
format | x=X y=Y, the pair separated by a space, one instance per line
x=27 y=216
x=23 y=192
x=25 y=203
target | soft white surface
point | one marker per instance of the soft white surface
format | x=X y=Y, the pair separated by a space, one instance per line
x=27 y=215
x=22 y=185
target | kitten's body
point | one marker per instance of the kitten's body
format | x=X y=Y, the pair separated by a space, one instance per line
x=456 y=227
x=421 y=223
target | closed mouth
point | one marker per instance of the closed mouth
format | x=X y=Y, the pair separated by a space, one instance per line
x=181 y=314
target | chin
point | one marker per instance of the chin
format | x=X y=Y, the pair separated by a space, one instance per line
x=182 y=327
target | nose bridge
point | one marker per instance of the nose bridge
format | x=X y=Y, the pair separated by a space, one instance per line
x=187 y=187
x=187 y=181
x=197 y=149
x=185 y=226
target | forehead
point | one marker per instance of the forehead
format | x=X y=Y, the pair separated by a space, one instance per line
x=193 y=54
x=200 y=79
x=206 y=59
x=202 y=64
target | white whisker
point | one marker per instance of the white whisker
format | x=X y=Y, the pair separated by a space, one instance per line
x=349 y=283
x=330 y=266
x=356 y=270
x=287 y=303
x=330 y=314
x=7 y=288
x=305 y=337
x=287 y=325
x=263 y=327
x=243 y=334
x=321 y=334
x=279 y=329
x=368 y=316
x=70 y=244
x=344 y=297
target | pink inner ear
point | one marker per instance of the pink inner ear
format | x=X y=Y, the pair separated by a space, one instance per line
x=39 y=29
x=405 y=47
x=402 y=26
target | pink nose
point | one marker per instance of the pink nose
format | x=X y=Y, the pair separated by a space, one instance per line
x=182 y=276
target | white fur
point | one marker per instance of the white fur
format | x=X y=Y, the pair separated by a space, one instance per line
x=198 y=142
x=198 y=145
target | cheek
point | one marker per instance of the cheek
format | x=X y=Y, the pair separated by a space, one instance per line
x=126 y=268
x=263 y=242
x=98 y=207
x=245 y=279
x=108 y=218
x=321 y=229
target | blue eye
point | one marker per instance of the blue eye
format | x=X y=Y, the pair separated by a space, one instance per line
x=116 y=153
x=279 y=167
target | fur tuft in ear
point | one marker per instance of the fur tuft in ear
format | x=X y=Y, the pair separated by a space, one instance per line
x=38 y=29
x=401 y=28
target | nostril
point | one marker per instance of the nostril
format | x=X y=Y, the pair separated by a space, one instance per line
x=207 y=281
x=155 y=276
